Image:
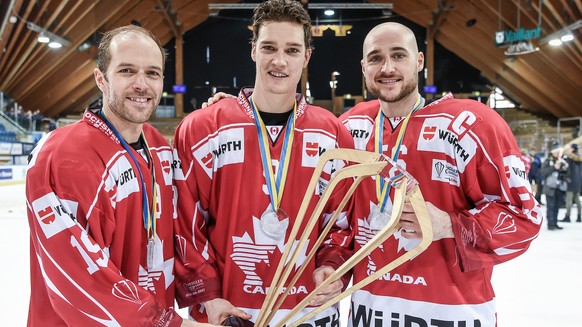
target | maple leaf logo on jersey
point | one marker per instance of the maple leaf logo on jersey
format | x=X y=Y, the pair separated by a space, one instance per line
x=258 y=257
x=429 y=132
x=311 y=148
x=46 y=215
x=147 y=278
x=379 y=255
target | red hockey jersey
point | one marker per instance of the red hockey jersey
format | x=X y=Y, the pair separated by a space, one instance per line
x=88 y=241
x=467 y=163
x=223 y=251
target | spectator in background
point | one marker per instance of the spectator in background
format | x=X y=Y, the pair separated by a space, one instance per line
x=535 y=173
x=554 y=171
x=574 y=159
x=527 y=161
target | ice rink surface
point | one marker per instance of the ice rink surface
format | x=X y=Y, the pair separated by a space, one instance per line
x=542 y=288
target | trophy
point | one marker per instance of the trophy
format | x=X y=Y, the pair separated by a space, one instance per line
x=365 y=164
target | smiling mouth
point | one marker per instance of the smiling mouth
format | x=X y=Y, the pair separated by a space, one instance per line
x=139 y=100
x=388 y=80
x=276 y=74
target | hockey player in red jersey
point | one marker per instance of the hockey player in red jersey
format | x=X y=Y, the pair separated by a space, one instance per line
x=468 y=166
x=245 y=166
x=100 y=202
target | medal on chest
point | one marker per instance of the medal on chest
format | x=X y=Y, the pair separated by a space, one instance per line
x=379 y=216
x=148 y=210
x=274 y=221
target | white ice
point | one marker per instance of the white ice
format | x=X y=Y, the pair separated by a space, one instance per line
x=543 y=287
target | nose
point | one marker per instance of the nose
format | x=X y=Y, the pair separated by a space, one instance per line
x=388 y=67
x=279 y=59
x=140 y=81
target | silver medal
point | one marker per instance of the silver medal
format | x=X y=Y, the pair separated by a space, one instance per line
x=274 y=223
x=150 y=253
x=378 y=219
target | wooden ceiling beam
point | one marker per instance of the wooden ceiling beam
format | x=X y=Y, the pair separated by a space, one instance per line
x=78 y=105
x=58 y=85
x=530 y=64
x=40 y=51
x=17 y=62
x=8 y=31
x=83 y=88
x=563 y=24
x=494 y=71
x=81 y=29
x=170 y=17
x=16 y=43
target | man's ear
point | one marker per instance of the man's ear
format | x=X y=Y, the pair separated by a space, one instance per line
x=420 y=64
x=308 y=53
x=99 y=79
x=254 y=51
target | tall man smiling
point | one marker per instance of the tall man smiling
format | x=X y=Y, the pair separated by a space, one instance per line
x=246 y=164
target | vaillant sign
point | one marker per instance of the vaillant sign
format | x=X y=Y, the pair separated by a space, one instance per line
x=503 y=38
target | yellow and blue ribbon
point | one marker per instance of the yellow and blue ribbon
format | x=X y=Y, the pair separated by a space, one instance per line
x=383 y=188
x=275 y=184
x=148 y=212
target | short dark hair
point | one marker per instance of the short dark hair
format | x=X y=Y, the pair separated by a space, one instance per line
x=282 y=11
x=104 y=52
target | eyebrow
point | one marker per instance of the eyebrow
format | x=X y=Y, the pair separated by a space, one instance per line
x=292 y=44
x=127 y=64
x=393 y=49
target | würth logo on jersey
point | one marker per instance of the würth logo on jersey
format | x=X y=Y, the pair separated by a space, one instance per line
x=314 y=145
x=312 y=149
x=207 y=161
x=166 y=167
x=46 y=215
x=53 y=214
x=224 y=148
x=429 y=132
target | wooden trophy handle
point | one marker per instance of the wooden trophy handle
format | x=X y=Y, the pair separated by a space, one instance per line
x=419 y=206
x=369 y=166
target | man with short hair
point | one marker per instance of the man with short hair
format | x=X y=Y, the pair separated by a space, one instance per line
x=246 y=165
x=100 y=201
x=468 y=167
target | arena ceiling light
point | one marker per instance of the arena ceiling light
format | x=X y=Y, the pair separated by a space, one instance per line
x=54 y=41
x=563 y=35
x=385 y=7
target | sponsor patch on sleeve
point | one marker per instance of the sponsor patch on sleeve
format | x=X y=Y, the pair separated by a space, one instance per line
x=53 y=214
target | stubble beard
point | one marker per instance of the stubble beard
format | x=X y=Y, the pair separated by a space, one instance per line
x=117 y=106
x=407 y=89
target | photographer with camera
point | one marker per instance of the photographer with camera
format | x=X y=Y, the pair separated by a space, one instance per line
x=555 y=173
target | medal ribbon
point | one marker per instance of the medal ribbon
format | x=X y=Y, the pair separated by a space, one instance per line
x=276 y=184
x=148 y=212
x=383 y=188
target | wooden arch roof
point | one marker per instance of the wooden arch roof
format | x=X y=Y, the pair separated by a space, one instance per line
x=548 y=81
